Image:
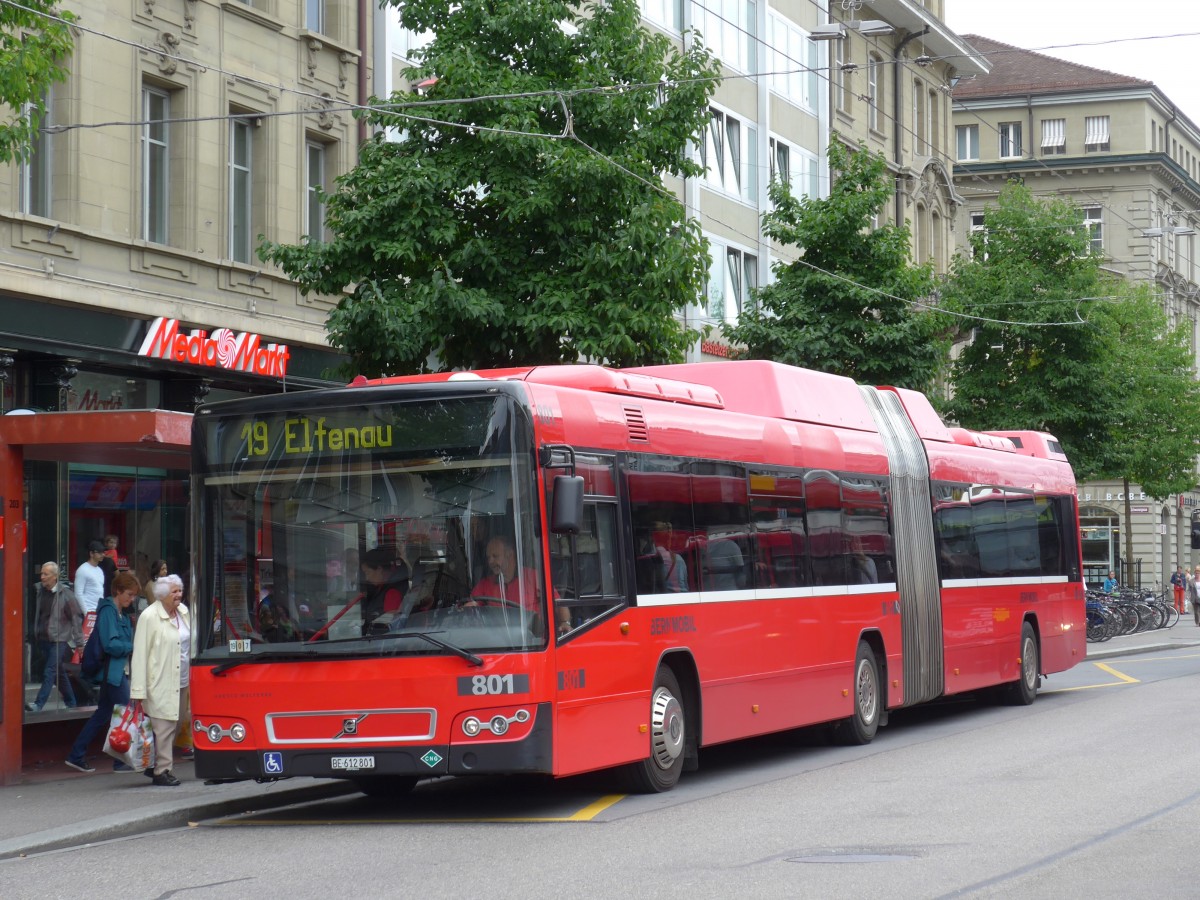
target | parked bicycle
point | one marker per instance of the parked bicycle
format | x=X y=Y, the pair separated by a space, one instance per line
x=1127 y=612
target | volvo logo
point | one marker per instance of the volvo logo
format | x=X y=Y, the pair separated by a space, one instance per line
x=350 y=726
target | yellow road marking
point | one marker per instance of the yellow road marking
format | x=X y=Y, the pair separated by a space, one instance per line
x=1128 y=679
x=592 y=810
x=586 y=814
x=1123 y=679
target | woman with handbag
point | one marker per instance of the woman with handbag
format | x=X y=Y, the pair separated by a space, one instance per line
x=115 y=625
x=159 y=669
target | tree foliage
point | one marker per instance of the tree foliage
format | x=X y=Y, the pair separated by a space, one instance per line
x=470 y=244
x=1062 y=347
x=1034 y=362
x=33 y=54
x=852 y=305
x=1152 y=399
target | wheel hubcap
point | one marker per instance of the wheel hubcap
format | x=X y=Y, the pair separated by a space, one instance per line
x=1029 y=663
x=666 y=726
x=865 y=688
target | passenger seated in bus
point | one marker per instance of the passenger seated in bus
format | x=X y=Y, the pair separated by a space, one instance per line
x=725 y=567
x=508 y=583
x=862 y=567
x=384 y=582
x=674 y=569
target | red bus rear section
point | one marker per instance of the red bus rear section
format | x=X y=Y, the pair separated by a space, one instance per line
x=591 y=568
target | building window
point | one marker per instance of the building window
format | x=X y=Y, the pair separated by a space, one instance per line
x=935 y=240
x=1096 y=138
x=874 y=64
x=241 y=186
x=1010 y=140
x=978 y=226
x=839 y=75
x=920 y=120
x=36 y=195
x=667 y=13
x=732 y=279
x=1054 y=136
x=730 y=31
x=794 y=61
x=156 y=165
x=314 y=210
x=314 y=15
x=729 y=153
x=1093 y=223
x=933 y=139
x=968 y=141
x=796 y=167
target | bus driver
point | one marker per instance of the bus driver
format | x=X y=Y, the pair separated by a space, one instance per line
x=509 y=583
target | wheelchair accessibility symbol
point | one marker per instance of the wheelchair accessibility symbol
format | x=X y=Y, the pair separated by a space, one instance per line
x=273 y=763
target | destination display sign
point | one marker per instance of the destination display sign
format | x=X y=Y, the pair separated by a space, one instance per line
x=455 y=426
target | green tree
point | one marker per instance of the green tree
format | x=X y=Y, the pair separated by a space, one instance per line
x=473 y=242
x=1152 y=403
x=33 y=54
x=1034 y=361
x=852 y=305
x=1152 y=400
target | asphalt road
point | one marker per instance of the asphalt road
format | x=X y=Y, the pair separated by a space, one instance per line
x=1091 y=792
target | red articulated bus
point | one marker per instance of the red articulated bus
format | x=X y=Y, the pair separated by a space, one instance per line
x=571 y=568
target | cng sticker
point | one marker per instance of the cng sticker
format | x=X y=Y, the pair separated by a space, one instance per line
x=431 y=759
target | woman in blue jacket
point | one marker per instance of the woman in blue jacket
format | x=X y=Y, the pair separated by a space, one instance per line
x=115 y=620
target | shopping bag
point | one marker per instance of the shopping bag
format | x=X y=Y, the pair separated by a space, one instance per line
x=130 y=738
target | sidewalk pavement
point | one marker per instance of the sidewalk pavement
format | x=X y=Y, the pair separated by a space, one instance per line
x=56 y=807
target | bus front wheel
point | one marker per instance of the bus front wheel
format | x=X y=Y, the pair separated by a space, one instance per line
x=860 y=728
x=668 y=738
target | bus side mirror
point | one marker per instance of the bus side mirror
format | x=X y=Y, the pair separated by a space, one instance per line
x=566 y=516
x=1196 y=535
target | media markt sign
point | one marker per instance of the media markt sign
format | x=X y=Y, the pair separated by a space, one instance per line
x=222 y=349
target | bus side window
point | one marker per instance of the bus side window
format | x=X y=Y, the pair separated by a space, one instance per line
x=780 y=538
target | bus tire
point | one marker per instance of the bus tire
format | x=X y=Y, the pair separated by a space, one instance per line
x=386 y=787
x=861 y=727
x=668 y=738
x=1023 y=691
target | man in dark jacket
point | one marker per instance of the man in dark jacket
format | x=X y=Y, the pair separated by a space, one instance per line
x=58 y=627
x=115 y=621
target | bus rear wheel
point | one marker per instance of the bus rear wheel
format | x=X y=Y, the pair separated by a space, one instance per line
x=1023 y=691
x=668 y=738
x=861 y=727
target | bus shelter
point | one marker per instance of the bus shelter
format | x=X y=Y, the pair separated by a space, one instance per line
x=118 y=438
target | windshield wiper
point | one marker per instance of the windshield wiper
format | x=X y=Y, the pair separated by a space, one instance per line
x=437 y=642
x=263 y=654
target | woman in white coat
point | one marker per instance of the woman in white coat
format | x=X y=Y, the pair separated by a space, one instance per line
x=159 y=669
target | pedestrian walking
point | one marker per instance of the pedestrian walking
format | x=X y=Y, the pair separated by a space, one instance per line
x=1179 y=584
x=159 y=670
x=89 y=578
x=115 y=623
x=1194 y=584
x=58 y=629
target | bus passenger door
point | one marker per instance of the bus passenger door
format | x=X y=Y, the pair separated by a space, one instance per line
x=596 y=670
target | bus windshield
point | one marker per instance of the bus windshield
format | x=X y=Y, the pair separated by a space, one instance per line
x=390 y=528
